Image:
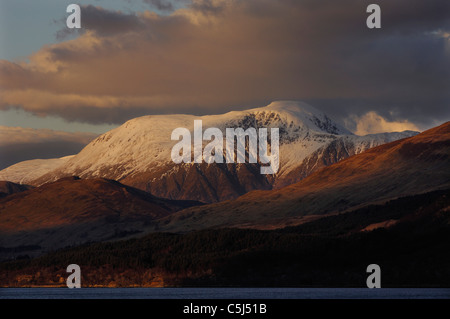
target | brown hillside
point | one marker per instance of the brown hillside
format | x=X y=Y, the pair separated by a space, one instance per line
x=406 y=167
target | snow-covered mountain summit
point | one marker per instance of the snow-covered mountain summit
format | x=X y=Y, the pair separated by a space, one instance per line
x=138 y=153
x=292 y=117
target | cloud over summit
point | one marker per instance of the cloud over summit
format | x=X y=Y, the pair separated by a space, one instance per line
x=213 y=56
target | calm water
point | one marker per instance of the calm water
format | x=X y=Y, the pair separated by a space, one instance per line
x=224 y=293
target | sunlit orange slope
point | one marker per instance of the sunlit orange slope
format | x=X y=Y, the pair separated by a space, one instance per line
x=72 y=211
x=406 y=167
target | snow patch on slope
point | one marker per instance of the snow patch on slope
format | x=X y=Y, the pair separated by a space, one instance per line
x=27 y=171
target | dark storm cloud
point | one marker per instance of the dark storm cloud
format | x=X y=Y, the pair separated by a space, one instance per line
x=208 y=6
x=161 y=5
x=215 y=56
x=103 y=22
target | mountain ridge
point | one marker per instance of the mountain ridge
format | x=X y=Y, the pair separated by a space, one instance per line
x=410 y=166
x=138 y=153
